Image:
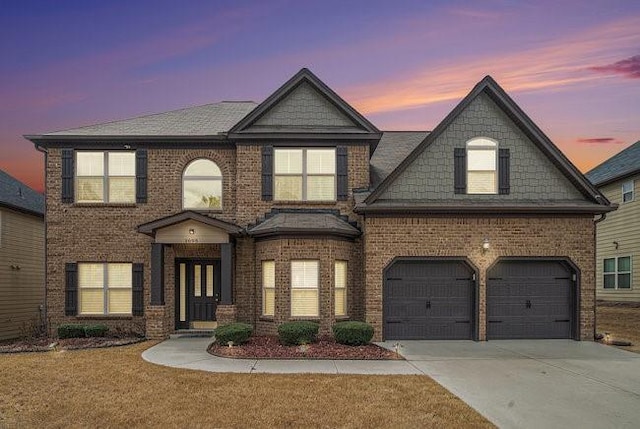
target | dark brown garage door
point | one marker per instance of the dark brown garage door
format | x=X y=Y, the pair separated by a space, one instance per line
x=430 y=300
x=530 y=299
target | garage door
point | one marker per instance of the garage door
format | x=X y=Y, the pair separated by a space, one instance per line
x=430 y=300
x=530 y=299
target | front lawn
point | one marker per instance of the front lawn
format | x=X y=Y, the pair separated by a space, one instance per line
x=622 y=322
x=116 y=388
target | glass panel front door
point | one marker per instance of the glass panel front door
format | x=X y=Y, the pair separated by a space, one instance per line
x=197 y=291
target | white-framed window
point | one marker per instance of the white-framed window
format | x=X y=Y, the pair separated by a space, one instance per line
x=628 y=192
x=105 y=288
x=202 y=185
x=304 y=288
x=340 y=288
x=268 y=288
x=304 y=174
x=617 y=272
x=482 y=159
x=106 y=177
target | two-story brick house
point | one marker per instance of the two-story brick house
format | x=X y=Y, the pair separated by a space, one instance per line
x=300 y=208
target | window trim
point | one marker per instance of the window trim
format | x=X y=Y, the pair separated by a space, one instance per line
x=264 y=288
x=305 y=175
x=632 y=191
x=197 y=178
x=344 y=288
x=616 y=273
x=105 y=290
x=105 y=177
x=316 y=289
x=470 y=147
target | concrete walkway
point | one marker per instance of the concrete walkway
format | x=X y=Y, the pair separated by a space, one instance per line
x=515 y=384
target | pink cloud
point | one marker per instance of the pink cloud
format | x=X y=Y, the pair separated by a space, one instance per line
x=629 y=68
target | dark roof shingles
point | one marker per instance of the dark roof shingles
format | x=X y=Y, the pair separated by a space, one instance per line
x=394 y=146
x=621 y=164
x=303 y=222
x=16 y=194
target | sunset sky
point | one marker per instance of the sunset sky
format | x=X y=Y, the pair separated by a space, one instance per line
x=573 y=66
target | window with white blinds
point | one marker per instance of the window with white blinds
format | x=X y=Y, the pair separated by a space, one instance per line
x=105 y=288
x=304 y=288
x=268 y=288
x=106 y=177
x=340 y=288
x=305 y=174
x=481 y=166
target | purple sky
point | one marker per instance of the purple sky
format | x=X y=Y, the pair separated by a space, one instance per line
x=573 y=66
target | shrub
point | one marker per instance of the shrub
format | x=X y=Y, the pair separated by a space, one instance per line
x=239 y=333
x=81 y=331
x=297 y=333
x=352 y=333
x=96 y=330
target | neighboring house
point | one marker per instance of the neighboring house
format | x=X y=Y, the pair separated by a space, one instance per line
x=300 y=209
x=618 y=236
x=22 y=259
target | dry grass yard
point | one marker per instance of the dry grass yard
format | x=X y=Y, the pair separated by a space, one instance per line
x=621 y=322
x=116 y=388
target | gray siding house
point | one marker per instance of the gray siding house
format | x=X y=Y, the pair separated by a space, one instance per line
x=618 y=236
x=22 y=285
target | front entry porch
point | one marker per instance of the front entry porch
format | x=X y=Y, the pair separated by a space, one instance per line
x=192 y=260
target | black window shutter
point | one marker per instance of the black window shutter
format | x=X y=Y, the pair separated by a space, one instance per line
x=137 y=299
x=67 y=175
x=504 y=171
x=460 y=170
x=71 y=289
x=342 y=172
x=267 y=173
x=141 y=176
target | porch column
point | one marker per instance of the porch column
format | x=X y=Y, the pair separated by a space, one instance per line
x=226 y=274
x=157 y=274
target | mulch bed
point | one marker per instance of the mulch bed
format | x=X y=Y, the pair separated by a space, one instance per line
x=49 y=344
x=325 y=348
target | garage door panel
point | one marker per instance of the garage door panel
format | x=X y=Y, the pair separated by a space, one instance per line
x=428 y=300
x=529 y=299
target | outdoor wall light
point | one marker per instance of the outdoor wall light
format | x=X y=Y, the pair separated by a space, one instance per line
x=192 y=231
x=485 y=244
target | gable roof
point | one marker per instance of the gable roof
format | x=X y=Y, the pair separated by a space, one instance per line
x=394 y=146
x=360 y=125
x=491 y=88
x=16 y=195
x=150 y=228
x=209 y=120
x=623 y=164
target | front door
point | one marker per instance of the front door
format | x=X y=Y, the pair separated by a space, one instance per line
x=197 y=291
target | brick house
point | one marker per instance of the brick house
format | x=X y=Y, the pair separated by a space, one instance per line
x=300 y=208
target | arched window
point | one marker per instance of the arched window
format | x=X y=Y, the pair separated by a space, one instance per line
x=482 y=154
x=202 y=186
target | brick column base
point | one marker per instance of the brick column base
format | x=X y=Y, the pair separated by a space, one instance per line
x=156 y=323
x=226 y=314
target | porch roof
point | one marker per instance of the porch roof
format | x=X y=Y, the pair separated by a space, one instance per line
x=150 y=228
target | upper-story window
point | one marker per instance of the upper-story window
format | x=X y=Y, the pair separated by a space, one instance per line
x=481 y=166
x=305 y=174
x=106 y=177
x=202 y=186
x=628 y=192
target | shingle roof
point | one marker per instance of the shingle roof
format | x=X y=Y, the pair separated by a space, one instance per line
x=16 y=194
x=394 y=146
x=207 y=120
x=622 y=164
x=303 y=223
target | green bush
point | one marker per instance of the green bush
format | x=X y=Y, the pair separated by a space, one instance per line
x=239 y=333
x=81 y=331
x=297 y=333
x=96 y=330
x=352 y=333
x=70 y=331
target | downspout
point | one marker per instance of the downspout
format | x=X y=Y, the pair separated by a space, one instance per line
x=603 y=216
x=46 y=253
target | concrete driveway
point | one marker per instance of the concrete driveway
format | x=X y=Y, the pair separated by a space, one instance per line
x=536 y=383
